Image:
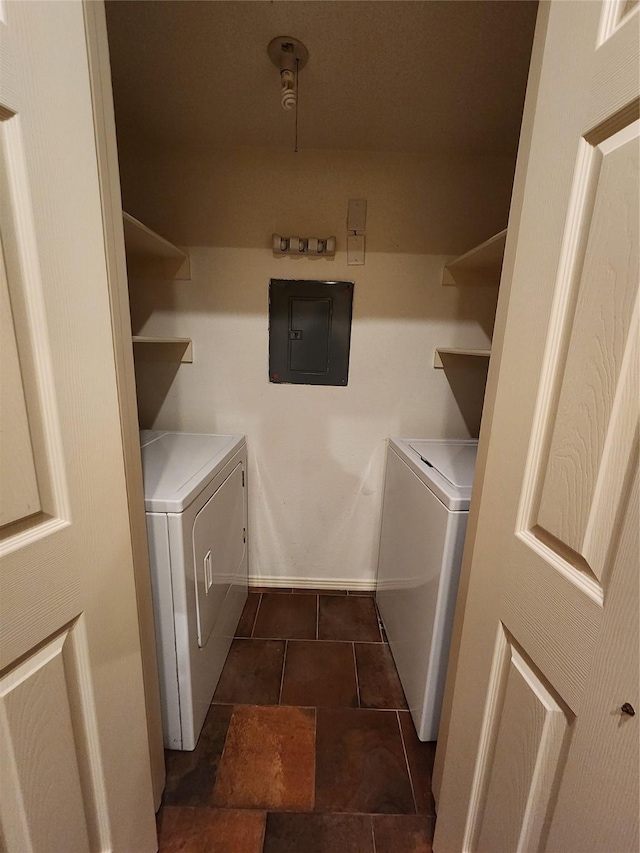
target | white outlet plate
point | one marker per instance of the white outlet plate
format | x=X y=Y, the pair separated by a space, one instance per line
x=355 y=249
x=357 y=214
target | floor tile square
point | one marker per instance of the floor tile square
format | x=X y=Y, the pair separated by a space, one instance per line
x=420 y=757
x=360 y=763
x=196 y=830
x=319 y=674
x=287 y=617
x=248 y=617
x=268 y=761
x=192 y=775
x=316 y=833
x=378 y=679
x=403 y=833
x=349 y=617
x=252 y=673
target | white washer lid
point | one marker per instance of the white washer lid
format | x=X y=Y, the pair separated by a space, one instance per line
x=456 y=498
x=456 y=462
x=178 y=465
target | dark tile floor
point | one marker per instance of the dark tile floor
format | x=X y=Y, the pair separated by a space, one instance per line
x=308 y=746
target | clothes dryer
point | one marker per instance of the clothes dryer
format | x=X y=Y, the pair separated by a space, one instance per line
x=196 y=511
x=424 y=518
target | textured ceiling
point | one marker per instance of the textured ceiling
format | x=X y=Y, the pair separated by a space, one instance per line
x=432 y=76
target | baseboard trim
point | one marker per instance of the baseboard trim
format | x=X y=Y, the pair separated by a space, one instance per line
x=354 y=584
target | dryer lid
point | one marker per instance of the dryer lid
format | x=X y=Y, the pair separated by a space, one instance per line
x=455 y=461
x=178 y=465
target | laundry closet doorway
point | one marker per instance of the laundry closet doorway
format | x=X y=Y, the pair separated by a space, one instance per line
x=413 y=107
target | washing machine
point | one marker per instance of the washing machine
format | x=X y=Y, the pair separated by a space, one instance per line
x=424 y=519
x=195 y=490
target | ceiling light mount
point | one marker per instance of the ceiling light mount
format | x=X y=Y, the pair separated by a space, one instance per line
x=289 y=56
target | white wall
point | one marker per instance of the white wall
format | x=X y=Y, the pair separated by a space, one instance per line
x=316 y=453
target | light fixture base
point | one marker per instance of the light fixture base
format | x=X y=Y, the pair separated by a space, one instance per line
x=282 y=48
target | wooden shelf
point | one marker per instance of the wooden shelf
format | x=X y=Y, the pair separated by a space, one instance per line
x=479 y=266
x=455 y=353
x=165 y=349
x=151 y=256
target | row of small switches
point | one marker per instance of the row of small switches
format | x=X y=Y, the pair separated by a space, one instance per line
x=308 y=246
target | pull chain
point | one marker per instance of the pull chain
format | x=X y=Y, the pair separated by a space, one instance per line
x=295 y=150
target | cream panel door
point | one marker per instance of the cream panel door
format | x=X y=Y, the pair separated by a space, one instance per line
x=541 y=753
x=74 y=760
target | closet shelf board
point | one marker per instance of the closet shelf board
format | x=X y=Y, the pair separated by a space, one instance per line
x=165 y=349
x=481 y=265
x=446 y=352
x=151 y=256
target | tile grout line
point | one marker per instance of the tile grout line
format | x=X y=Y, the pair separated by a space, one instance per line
x=222 y=752
x=316 y=640
x=373 y=834
x=276 y=590
x=255 y=618
x=317 y=617
x=264 y=831
x=406 y=758
x=381 y=629
x=284 y=661
x=355 y=663
x=315 y=754
x=272 y=705
x=279 y=811
x=308 y=707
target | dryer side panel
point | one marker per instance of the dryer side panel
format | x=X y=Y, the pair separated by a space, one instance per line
x=163 y=607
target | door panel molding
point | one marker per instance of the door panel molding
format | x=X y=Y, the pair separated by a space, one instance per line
x=20 y=248
x=614 y=85
x=52 y=802
x=531 y=744
x=613 y=16
x=579 y=211
x=580 y=822
x=487 y=740
x=596 y=335
x=17 y=463
x=546 y=612
x=526 y=729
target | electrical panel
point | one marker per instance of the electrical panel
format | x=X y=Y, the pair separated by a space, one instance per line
x=310 y=331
